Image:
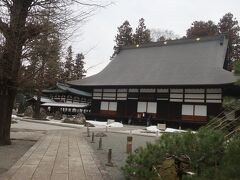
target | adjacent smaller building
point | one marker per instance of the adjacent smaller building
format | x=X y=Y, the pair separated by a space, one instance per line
x=65 y=94
x=64 y=99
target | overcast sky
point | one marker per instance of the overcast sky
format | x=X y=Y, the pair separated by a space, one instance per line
x=176 y=15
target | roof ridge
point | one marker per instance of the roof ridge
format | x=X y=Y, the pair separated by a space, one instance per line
x=176 y=41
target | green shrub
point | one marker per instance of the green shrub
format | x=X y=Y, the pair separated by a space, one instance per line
x=205 y=150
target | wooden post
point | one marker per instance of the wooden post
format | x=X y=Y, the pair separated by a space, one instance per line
x=129 y=144
x=109 y=163
x=88 y=131
x=92 y=137
x=100 y=144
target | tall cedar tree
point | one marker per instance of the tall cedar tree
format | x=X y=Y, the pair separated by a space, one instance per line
x=201 y=28
x=228 y=25
x=43 y=57
x=44 y=50
x=79 y=71
x=124 y=37
x=53 y=65
x=142 y=34
x=19 y=24
x=48 y=74
x=69 y=65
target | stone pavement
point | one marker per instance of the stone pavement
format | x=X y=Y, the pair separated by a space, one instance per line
x=59 y=155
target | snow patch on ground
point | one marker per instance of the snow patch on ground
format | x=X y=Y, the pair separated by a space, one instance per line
x=49 y=118
x=14 y=117
x=115 y=124
x=174 y=130
x=97 y=123
x=154 y=129
x=104 y=124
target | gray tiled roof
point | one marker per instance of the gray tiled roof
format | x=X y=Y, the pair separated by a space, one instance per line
x=65 y=87
x=179 y=62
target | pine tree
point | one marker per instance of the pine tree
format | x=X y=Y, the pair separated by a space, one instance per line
x=69 y=65
x=142 y=34
x=79 y=71
x=124 y=37
x=199 y=152
x=236 y=67
x=229 y=26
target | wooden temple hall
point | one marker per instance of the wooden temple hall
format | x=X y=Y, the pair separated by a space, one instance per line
x=178 y=82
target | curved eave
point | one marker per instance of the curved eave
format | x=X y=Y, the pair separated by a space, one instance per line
x=73 y=91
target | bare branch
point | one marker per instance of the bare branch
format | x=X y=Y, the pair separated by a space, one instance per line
x=89 y=50
x=29 y=76
x=92 y=4
x=7 y=3
x=95 y=65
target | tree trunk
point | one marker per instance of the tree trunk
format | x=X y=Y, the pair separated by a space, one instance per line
x=9 y=66
x=7 y=98
x=16 y=36
x=39 y=91
x=36 y=114
x=8 y=90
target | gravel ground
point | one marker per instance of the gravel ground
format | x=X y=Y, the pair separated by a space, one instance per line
x=11 y=153
x=36 y=126
x=116 y=142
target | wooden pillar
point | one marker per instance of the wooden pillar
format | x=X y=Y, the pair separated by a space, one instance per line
x=205 y=95
x=126 y=107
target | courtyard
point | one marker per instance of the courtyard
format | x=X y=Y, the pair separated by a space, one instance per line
x=43 y=151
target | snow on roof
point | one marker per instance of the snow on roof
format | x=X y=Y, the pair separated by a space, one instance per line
x=65 y=105
x=44 y=99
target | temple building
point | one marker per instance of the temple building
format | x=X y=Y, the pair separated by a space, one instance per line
x=177 y=82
